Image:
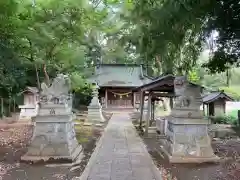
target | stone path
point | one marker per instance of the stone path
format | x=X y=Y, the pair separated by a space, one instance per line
x=120 y=154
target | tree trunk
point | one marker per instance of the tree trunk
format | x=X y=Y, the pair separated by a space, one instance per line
x=158 y=61
x=46 y=74
x=37 y=75
x=228 y=77
x=36 y=69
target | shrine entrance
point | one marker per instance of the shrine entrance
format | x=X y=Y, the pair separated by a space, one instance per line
x=117 y=98
x=116 y=82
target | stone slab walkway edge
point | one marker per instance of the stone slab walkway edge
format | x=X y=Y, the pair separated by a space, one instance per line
x=154 y=168
x=85 y=174
x=121 y=142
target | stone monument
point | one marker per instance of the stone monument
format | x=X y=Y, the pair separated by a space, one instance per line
x=187 y=132
x=54 y=135
x=95 y=108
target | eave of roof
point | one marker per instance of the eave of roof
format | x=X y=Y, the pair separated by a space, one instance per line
x=30 y=89
x=142 y=76
x=154 y=81
x=119 y=64
x=148 y=77
x=213 y=96
x=158 y=80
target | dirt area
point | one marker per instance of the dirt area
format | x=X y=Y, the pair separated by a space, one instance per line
x=14 y=139
x=227 y=169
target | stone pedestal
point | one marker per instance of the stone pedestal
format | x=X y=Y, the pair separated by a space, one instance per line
x=188 y=141
x=95 y=115
x=145 y=110
x=54 y=135
x=95 y=109
x=187 y=132
x=161 y=125
x=27 y=112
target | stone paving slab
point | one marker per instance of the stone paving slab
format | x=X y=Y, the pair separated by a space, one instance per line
x=120 y=154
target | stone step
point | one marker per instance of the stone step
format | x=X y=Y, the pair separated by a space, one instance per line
x=151 y=129
x=119 y=109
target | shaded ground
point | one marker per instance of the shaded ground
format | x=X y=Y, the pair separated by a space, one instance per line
x=227 y=169
x=14 y=139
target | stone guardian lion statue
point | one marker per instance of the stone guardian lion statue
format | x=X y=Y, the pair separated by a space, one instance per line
x=59 y=89
x=184 y=97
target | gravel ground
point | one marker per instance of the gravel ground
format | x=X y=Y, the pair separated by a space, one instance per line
x=14 y=139
x=227 y=169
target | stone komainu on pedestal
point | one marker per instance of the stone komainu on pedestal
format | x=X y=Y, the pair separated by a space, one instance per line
x=187 y=132
x=54 y=135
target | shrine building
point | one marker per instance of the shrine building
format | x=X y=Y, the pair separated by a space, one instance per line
x=116 y=82
x=214 y=103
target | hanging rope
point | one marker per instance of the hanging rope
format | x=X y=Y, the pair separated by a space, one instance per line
x=120 y=94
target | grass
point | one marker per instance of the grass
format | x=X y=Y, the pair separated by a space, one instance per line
x=79 y=120
x=83 y=133
x=233 y=113
x=161 y=112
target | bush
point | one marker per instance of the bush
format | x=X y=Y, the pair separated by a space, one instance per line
x=224 y=119
x=82 y=96
x=82 y=90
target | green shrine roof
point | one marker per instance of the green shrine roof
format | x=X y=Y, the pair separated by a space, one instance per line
x=119 y=75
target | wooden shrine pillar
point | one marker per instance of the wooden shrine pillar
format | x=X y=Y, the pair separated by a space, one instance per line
x=142 y=95
x=148 y=113
x=171 y=102
x=106 y=97
x=133 y=99
x=152 y=112
x=203 y=105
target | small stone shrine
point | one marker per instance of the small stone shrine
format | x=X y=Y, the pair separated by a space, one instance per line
x=54 y=135
x=95 y=108
x=30 y=107
x=187 y=132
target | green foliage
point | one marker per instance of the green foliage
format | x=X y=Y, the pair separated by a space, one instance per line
x=193 y=76
x=220 y=81
x=233 y=113
x=52 y=33
x=224 y=18
x=82 y=97
x=232 y=91
x=81 y=89
x=70 y=36
x=169 y=35
x=224 y=119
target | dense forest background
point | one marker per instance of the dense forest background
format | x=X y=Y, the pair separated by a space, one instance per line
x=40 y=38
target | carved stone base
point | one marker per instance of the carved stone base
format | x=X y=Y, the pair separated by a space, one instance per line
x=70 y=158
x=54 y=136
x=95 y=115
x=179 y=159
x=188 y=141
x=144 y=118
x=27 y=112
x=161 y=125
x=135 y=116
x=187 y=112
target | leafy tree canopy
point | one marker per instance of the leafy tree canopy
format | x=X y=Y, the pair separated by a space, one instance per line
x=42 y=39
x=172 y=33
